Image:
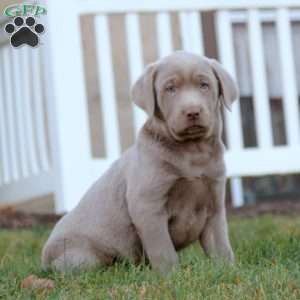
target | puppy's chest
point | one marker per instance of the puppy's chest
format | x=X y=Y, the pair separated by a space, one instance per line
x=201 y=159
x=194 y=166
x=190 y=203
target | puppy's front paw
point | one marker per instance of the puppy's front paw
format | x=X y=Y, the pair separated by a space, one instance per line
x=230 y=257
x=227 y=255
x=167 y=265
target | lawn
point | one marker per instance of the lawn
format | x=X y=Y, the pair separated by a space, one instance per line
x=267 y=266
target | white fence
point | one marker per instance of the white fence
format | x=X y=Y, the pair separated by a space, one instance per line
x=27 y=170
x=25 y=167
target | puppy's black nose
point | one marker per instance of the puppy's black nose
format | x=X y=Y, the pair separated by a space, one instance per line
x=193 y=115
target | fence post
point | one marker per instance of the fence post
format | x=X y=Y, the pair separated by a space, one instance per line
x=70 y=147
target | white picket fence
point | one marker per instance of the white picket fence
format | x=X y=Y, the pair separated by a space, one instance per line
x=25 y=168
x=45 y=139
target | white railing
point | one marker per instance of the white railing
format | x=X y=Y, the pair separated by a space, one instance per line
x=25 y=163
x=72 y=166
x=272 y=159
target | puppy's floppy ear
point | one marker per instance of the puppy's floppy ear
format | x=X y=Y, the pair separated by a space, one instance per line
x=228 y=89
x=143 y=91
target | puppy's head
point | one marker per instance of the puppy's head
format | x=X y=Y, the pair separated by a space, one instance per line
x=185 y=91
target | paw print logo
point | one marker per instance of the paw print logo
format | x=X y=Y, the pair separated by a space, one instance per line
x=24 y=31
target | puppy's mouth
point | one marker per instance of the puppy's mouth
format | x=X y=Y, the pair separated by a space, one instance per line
x=191 y=133
x=194 y=130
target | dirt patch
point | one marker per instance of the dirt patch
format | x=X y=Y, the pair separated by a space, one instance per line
x=13 y=219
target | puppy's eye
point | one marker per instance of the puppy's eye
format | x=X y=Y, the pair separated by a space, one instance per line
x=171 y=89
x=204 y=85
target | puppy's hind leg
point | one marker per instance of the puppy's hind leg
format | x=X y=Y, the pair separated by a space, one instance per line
x=75 y=252
x=74 y=259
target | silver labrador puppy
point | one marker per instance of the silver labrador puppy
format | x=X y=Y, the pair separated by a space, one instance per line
x=168 y=189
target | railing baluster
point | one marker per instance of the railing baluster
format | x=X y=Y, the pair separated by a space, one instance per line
x=164 y=34
x=226 y=54
x=3 y=127
x=191 y=32
x=27 y=113
x=233 y=118
x=20 y=122
x=196 y=34
x=288 y=77
x=185 y=30
x=135 y=61
x=10 y=116
x=39 y=110
x=109 y=105
x=261 y=99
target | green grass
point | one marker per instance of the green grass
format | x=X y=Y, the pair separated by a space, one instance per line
x=267 y=266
